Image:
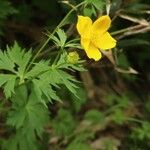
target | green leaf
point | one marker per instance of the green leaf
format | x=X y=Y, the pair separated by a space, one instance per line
x=43 y=87
x=122 y=101
x=5 y=62
x=63 y=63
x=34 y=109
x=146 y=128
x=62 y=37
x=28 y=116
x=60 y=41
x=118 y=116
x=22 y=140
x=133 y=42
x=94 y=116
x=25 y=110
x=142 y=132
x=64 y=78
x=8 y=82
x=137 y=7
x=6 y=9
x=73 y=45
x=64 y=123
x=99 y=4
x=78 y=146
x=84 y=136
x=17 y=117
x=20 y=97
x=19 y=57
x=87 y=11
x=78 y=102
x=9 y=86
x=14 y=60
x=45 y=78
x=18 y=114
x=123 y=61
x=38 y=69
x=147 y=104
x=55 y=40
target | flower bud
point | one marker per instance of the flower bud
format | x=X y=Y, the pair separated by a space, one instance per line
x=73 y=57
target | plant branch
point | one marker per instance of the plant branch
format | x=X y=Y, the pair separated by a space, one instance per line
x=54 y=31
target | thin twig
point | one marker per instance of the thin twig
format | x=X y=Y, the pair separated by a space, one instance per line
x=133 y=19
x=133 y=32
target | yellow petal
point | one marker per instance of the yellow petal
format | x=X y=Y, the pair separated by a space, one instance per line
x=106 y=41
x=84 y=26
x=101 y=25
x=93 y=52
x=85 y=43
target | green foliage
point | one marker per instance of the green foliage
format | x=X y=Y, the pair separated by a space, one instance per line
x=43 y=76
x=6 y=9
x=120 y=101
x=15 y=61
x=94 y=116
x=24 y=139
x=29 y=90
x=123 y=61
x=93 y=6
x=137 y=7
x=133 y=42
x=142 y=132
x=60 y=40
x=147 y=104
x=118 y=116
x=25 y=109
x=30 y=87
x=78 y=102
x=23 y=116
x=75 y=146
x=64 y=123
x=98 y=4
x=79 y=141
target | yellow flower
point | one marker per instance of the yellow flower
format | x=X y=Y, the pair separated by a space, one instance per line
x=94 y=36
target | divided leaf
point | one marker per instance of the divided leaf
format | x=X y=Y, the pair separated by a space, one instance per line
x=61 y=77
x=25 y=110
x=19 y=58
x=14 y=60
x=8 y=82
x=64 y=123
x=43 y=87
x=61 y=39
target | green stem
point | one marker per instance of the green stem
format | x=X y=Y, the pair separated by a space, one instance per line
x=135 y=120
x=57 y=57
x=58 y=26
x=111 y=109
x=119 y=31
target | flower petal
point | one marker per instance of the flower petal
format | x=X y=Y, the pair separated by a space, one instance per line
x=85 y=43
x=84 y=26
x=101 y=25
x=93 y=52
x=106 y=41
